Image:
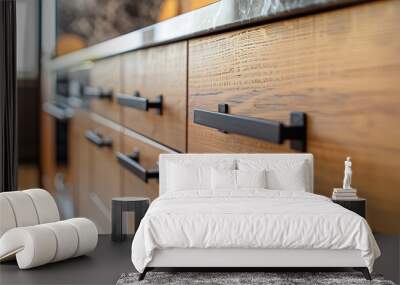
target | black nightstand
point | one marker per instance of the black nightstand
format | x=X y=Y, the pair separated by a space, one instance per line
x=139 y=205
x=357 y=205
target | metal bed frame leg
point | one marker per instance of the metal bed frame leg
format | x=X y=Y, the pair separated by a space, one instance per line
x=364 y=271
x=143 y=274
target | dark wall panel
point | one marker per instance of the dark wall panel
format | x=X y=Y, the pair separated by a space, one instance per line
x=28 y=121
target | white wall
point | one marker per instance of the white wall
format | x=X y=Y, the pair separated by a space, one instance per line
x=48 y=28
x=27 y=38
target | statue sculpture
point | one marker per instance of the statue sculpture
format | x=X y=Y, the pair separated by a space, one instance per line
x=347 y=174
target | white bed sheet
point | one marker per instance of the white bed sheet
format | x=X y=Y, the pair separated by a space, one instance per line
x=252 y=218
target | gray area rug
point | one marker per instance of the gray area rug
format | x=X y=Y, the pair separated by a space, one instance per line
x=229 y=278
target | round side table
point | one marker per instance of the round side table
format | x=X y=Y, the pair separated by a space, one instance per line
x=138 y=205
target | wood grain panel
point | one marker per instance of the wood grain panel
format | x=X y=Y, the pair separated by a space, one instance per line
x=106 y=73
x=149 y=152
x=47 y=152
x=152 y=72
x=148 y=157
x=105 y=173
x=340 y=67
x=80 y=161
x=73 y=159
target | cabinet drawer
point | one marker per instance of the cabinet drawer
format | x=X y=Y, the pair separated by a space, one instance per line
x=321 y=65
x=80 y=160
x=105 y=83
x=138 y=160
x=151 y=73
x=104 y=137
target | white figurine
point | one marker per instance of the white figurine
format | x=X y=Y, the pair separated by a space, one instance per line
x=347 y=174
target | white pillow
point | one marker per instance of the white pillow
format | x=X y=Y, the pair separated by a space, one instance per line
x=251 y=179
x=284 y=174
x=193 y=176
x=225 y=179
x=293 y=179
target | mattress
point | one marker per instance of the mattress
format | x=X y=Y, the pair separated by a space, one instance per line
x=250 y=219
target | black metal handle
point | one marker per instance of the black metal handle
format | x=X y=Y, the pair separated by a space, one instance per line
x=131 y=162
x=58 y=111
x=268 y=130
x=97 y=92
x=75 y=88
x=141 y=103
x=98 y=139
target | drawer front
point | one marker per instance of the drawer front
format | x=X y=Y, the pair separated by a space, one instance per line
x=80 y=160
x=105 y=140
x=338 y=68
x=150 y=73
x=146 y=152
x=105 y=83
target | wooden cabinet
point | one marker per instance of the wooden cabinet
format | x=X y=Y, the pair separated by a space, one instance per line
x=341 y=68
x=105 y=84
x=153 y=72
x=104 y=137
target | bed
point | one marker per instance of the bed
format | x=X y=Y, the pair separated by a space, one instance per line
x=245 y=211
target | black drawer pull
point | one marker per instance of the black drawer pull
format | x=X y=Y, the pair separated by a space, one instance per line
x=58 y=111
x=131 y=162
x=268 y=130
x=141 y=103
x=97 y=92
x=98 y=139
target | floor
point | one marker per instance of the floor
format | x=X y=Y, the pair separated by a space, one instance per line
x=103 y=266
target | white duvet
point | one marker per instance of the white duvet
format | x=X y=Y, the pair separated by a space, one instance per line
x=250 y=219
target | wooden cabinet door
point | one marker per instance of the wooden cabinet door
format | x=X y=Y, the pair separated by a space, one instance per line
x=80 y=161
x=340 y=67
x=73 y=158
x=48 y=165
x=153 y=72
x=105 y=77
x=105 y=171
x=147 y=152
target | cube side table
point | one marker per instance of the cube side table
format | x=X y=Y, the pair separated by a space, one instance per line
x=357 y=205
x=138 y=205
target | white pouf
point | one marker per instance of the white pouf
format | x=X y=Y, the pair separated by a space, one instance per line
x=7 y=220
x=31 y=232
x=23 y=208
x=87 y=234
x=67 y=239
x=46 y=207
